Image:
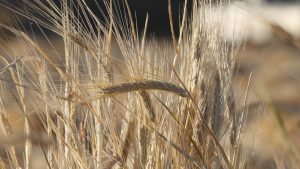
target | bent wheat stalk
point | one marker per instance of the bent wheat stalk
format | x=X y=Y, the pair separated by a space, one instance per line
x=144 y=85
x=134 y=86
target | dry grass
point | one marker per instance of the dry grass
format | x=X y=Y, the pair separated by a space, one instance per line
x=171 y=107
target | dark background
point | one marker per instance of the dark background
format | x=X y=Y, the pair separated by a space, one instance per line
x=156 y=9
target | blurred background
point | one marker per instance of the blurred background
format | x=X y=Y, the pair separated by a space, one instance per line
x=270 y=32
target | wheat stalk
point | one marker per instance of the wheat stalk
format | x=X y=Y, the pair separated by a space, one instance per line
x=144 y=85
x=110 y=127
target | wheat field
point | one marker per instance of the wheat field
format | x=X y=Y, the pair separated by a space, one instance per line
x=106 y=94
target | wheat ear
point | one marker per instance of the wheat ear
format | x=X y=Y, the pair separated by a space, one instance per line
x=144 y=85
